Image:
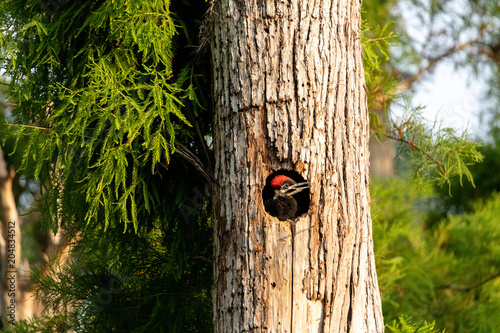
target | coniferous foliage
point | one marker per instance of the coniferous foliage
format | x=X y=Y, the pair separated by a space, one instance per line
x=464 y=199
x=448 y=273
x=405 y=325
x=107 y=92
x=105 y=103
x=433 y=152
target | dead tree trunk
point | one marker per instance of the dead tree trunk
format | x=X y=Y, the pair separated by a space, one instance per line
x=289 y=95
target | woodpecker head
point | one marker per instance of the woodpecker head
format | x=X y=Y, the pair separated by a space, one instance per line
x=285 y=186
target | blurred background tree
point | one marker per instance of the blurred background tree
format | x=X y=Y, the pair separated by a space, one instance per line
x=438 y=245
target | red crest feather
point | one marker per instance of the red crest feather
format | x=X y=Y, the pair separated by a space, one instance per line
x=278 y=180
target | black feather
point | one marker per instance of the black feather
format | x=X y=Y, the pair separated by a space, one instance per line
x=282 y=207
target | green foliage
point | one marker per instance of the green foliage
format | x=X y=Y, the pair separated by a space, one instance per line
x=464 y=198
x=104 y=111
x=45 y=324
x=375 y=48
x=155 y=280
x=381 y=86
x=447 y=274
x=106 y=104
x=433 y=152
x=406 y=326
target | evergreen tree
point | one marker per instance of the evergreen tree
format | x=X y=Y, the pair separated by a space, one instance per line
x=104 y=110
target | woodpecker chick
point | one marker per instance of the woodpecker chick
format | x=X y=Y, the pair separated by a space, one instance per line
x=283 y=204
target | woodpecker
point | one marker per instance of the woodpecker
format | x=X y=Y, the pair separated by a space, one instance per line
x=283 y=204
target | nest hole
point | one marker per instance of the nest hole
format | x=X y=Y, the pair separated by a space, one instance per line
x=302 y=198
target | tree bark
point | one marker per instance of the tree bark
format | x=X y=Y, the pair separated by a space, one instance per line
x=289 y=93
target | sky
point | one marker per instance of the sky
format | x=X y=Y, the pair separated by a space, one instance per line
x=452 y=98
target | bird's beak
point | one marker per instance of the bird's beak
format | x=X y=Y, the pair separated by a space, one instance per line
x=296 y=188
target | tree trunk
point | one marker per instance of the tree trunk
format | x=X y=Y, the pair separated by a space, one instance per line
x=383 y=152
x=289 y=94
x=382 y=155
x=10 y=247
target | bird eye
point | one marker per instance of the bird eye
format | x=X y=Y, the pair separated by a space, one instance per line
x=285 y=186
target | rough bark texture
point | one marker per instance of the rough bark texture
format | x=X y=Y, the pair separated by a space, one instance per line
x=289 y=93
